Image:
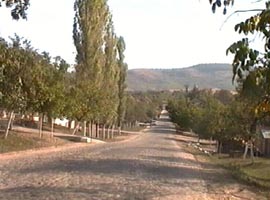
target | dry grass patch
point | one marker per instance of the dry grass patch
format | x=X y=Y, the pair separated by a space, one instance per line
x=23 y=141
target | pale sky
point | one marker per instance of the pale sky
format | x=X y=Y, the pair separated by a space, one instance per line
x=158 y=33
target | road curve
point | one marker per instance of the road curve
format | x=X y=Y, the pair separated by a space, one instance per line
x=152 y=165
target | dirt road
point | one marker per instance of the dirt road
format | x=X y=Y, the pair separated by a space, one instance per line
x=152 y=165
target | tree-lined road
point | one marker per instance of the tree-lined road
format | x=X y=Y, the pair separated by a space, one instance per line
x=151 y=165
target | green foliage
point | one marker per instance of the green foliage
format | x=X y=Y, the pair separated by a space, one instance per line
x=29 y=81
x=90 y=21
x=14 y=62
x=224 y=96
x=218 y=3
x=143 y=106
x=209 y=117
x=18 y=8
x=100 y=70
x=121 y=81
x=251 y=66
x=181 y=113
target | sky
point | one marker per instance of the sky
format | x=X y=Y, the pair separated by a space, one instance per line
x=158 y=33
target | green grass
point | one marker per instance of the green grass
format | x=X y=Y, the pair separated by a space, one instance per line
x=256 y=172
x=15 y=142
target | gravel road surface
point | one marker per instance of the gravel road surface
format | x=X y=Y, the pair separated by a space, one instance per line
x=150 y=165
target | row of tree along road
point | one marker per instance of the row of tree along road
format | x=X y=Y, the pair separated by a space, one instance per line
x=229 y=118
x=91 y=92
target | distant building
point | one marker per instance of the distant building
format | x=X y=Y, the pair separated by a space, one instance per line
x=263 y=142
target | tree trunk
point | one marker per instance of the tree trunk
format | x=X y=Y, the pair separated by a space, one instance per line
x=219 y=147
x=9 y=123
x=88 y=131
x=52 y=127
x=103 y=132
x=107 y=132
x=90 y=128
x=252 y=152
x=110 y=132
x=249 y=145
x=112 y=135
x=40 y=124
x=99 y=130
x=76 y=128
x=69 y=124
x=119 y=130
x=84 y=128
x=12 y=121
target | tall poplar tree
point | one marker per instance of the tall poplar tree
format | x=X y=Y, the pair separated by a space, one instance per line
x=90 y=22
x=100 y=69
x=89 y=27
x=121 y=81
x=111 y=75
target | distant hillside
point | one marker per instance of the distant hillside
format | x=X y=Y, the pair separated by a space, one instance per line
x=203 y=75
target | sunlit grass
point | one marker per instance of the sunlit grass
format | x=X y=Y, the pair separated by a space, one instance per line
x=255 y=171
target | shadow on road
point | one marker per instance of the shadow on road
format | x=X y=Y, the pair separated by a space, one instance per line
x=164 y=119
x=161 y=130
x=155 y=170
x=177 y=140
x=147 y=167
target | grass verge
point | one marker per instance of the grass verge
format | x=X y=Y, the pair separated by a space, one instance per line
x=254 y=172
x=24 y=141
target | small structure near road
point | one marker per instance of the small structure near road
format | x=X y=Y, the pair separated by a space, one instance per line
x=263 y=143
x=77 y=138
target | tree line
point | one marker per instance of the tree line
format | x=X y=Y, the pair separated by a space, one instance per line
x=92 y=91
x=221 y=115
x=144 y=106
x=250 y=108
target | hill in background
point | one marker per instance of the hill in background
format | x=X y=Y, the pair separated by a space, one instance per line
x=203 y=75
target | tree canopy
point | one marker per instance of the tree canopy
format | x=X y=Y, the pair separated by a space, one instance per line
x=251 y=63
x=206 y=115
x=18 y=8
